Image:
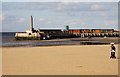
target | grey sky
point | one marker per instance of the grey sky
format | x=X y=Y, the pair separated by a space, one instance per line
x=60 y=0
x=15 y=15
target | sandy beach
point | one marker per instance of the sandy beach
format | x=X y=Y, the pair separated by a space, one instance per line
x=59 y=60
x=0 y=61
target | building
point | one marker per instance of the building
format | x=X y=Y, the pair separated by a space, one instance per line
x=29 y=34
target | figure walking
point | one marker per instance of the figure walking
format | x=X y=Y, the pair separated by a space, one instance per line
x=113 y=49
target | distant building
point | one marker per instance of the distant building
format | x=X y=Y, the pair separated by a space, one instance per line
x=29 y=34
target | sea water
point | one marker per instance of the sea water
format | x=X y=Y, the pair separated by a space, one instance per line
x=8 y=40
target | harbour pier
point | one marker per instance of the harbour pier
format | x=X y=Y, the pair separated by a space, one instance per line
x=42 y=34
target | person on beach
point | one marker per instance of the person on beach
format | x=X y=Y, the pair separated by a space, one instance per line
x=113 y=49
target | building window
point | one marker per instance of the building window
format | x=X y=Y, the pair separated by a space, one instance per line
x=29 y=33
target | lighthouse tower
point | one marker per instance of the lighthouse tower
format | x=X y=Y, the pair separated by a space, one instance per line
x=31 y=24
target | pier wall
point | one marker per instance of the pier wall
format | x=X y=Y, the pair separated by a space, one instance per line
x=27 y=36
x=52 y=34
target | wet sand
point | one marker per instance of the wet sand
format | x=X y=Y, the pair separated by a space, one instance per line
x=59 y=60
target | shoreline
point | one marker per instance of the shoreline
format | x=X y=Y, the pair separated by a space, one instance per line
x=54 y=45
x=59 y=42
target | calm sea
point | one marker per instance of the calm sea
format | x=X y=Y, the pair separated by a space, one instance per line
x=8 y=40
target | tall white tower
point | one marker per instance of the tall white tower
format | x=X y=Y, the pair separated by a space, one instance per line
x=31 y=24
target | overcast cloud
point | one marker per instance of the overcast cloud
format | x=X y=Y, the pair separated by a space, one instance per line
x=15 y=15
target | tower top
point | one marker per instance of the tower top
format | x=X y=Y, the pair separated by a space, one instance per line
x=31 y=24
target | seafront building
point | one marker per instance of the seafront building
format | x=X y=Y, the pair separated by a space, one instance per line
x=29 y=34
x=67 y=33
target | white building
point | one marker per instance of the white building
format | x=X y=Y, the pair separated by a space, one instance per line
x=31 y=33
